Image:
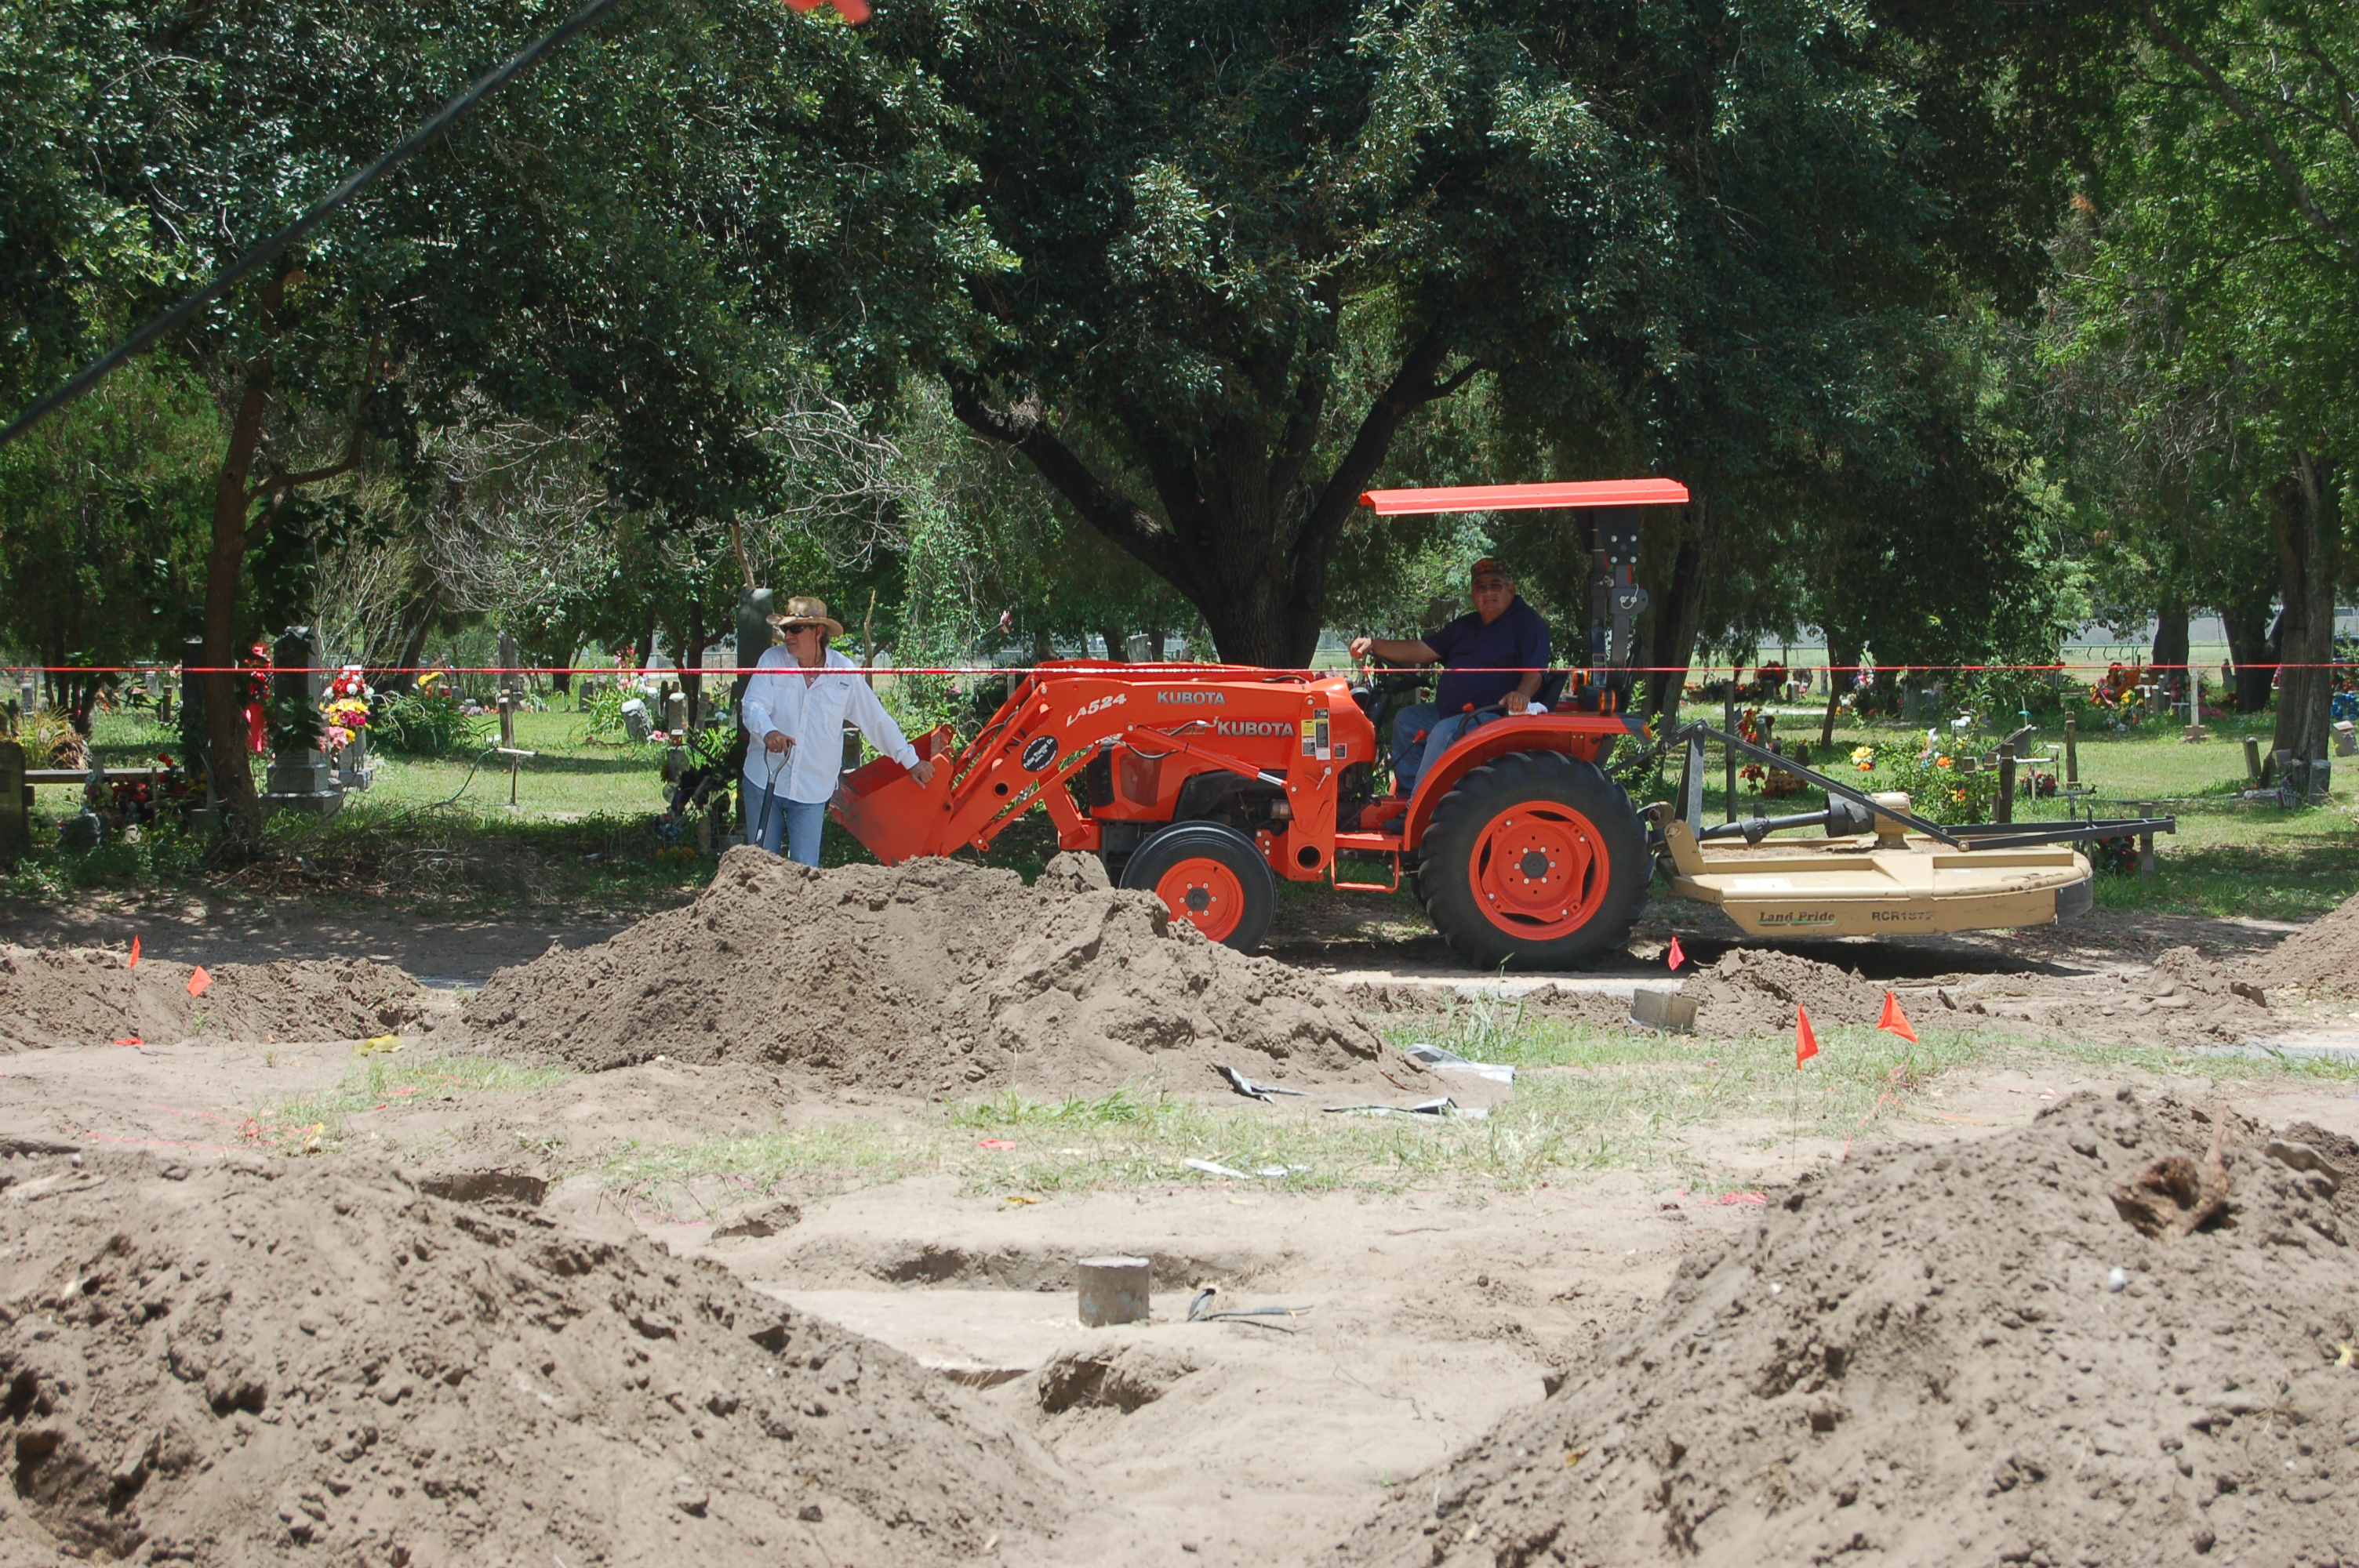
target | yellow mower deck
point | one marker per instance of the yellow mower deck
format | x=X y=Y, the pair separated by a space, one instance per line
x=1876 y=885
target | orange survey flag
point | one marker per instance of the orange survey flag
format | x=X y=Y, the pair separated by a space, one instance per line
x=199 y=980
x=1678 y=956
x=135 y=955
x=1893 y=1021
x=1806 y=1044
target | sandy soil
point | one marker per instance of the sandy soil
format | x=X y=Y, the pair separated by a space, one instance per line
x=1434 y=1316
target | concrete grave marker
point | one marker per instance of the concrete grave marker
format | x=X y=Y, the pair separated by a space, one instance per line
x=300 y=780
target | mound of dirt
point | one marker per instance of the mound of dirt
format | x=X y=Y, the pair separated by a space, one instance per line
x=1756 y=991
x=2182 y=999
x=324 y=1364
x=2321 y=957
x=1920 y=1358
x=52 y=997
x=931 y=976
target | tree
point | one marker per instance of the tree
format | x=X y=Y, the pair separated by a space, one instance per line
x=102 y=526
x=2233 y=181
x=645 y=227
x=1211 y=209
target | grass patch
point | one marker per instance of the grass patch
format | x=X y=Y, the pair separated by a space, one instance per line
x=1588 y=1102
x=314 y=1122
x=811 y=1161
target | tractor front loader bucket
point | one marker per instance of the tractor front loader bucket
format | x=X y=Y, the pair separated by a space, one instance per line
x=898 y=818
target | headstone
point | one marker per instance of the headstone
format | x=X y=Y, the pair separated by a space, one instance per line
x=634 y=719
x=300 y=780
x=16 y=803
x=353 y=770
x=197 y=741
x=676 y=711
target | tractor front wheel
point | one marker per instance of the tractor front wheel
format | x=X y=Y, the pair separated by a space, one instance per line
x=1535 y=860
x=1210 y=876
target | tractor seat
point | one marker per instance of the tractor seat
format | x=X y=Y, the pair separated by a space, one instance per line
x=1551 y=689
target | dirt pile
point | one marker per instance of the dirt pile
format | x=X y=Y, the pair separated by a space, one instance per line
x=2321 y=957
x=1756 y=991
x=323 y=1364
x=931 y=976
x=52 y=997
x=1921 y=1357
x=2182 y=999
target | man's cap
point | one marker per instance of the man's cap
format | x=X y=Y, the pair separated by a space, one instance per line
x=804 y=611
x=1489 y=566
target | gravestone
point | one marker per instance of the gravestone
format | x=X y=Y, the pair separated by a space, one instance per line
x=197 y=741
x=301 y=780
x=676 y=711
x=16 y=803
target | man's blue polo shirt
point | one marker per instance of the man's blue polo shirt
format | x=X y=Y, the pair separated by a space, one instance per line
x=1516 y=642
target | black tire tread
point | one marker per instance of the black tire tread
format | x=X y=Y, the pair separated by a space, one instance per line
x=1159 y=850
x=1491 y=788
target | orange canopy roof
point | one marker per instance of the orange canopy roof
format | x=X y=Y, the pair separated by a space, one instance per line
x=1527 y=497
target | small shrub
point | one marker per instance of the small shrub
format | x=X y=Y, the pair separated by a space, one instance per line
x=1938 y=787
x=427 y=723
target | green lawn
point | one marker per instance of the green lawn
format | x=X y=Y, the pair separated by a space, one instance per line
x=439 y=837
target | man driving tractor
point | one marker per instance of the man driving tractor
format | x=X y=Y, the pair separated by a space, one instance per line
x=1497 y=655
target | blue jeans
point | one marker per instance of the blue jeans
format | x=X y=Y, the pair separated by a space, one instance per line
x=1409 y=752
x=770 y=817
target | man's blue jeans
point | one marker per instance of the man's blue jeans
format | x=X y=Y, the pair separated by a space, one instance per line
x=772 y=817
x=1409 y=752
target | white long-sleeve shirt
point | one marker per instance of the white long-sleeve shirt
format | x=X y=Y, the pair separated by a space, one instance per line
x=809 y=707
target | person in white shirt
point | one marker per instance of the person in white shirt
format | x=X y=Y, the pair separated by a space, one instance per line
x=794 y=713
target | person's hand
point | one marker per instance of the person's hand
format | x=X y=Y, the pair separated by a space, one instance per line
x=922 y=769
x=775 y=742
x=1363 y=646
x=1517 y=702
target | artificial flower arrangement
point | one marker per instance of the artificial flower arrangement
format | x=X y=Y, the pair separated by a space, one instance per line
x=346 y=710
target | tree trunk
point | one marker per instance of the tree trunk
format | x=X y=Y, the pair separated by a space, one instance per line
x=691 y=678
x=2306 y=523
x=2252 y=653
x=418 y=620
x=2169 y=660
x=233 y=774
x=1117 y=643
x=1245 y=536
x=1843 y=663
x=1670 y=647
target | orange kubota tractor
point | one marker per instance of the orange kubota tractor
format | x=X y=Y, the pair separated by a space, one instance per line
x=1208 y=783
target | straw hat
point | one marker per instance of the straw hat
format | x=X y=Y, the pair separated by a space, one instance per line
x=804 y=611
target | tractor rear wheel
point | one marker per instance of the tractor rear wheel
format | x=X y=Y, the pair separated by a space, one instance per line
x=1536 y=859
x=1209 y=875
